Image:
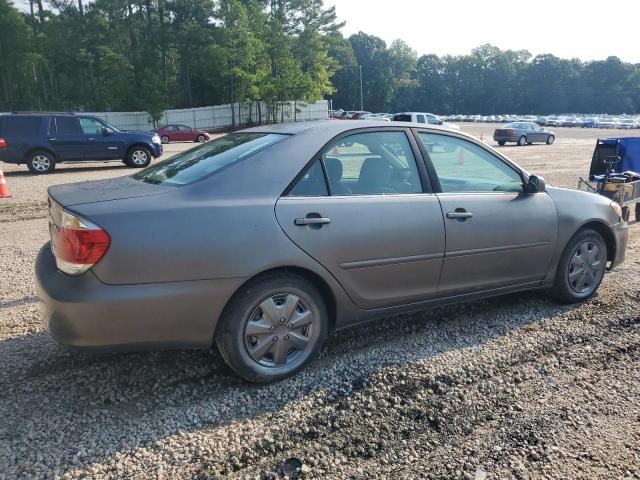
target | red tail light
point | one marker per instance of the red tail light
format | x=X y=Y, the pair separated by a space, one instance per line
x=3 y=143
x=77 y=244
x=511 y=133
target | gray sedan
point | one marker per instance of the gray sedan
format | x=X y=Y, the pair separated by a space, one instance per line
x=264 y=240
x=523 y=133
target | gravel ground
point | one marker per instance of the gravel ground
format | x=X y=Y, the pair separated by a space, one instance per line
x=513 y=387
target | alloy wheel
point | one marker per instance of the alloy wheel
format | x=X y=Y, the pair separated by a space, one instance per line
x=586 y=267
x=41 y=163
x=279 y=330
x=139 y=157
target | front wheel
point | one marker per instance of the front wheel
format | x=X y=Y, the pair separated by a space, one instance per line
x=164 y=139
x=581 y=268
x=550 y=139
x=522 y=141
x=138 y=157
x=40 y=162
x=272 y=327
x=200 y=139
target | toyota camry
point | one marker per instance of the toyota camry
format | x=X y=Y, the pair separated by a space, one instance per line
x=262 y=241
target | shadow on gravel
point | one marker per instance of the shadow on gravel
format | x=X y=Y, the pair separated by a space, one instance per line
x=61 y=171
x=59 y=401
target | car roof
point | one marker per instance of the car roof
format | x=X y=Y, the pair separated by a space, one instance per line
x=336 y=127
x=41 y=114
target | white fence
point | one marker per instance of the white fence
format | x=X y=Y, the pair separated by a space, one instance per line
x=220 y=116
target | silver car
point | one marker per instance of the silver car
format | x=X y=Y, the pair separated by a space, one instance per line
x=264 y=240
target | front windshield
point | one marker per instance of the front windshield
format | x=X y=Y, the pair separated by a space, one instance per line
x=204 y=160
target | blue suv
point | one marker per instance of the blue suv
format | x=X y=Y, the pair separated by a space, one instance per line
x=40 y=140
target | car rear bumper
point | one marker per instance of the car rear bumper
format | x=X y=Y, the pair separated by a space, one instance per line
x=505 y=138
x=621 y=234
x=83 y=312
x=10 y=155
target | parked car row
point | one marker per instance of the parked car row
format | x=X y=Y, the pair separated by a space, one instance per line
x=580 y=121
x=414 y=117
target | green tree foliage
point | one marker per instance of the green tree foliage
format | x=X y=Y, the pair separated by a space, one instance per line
x=487 y=81
x=157 y=54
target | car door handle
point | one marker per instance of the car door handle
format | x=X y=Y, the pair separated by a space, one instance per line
x=312 y=221
x=459 y=215
x=91 y=138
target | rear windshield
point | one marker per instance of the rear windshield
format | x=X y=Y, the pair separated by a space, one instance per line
x=402 y=118
x=207 y=159
x=19 y=126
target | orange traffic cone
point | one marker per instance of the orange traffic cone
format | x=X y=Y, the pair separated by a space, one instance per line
x=335 y=151
x=4 y=190
x=461 y=157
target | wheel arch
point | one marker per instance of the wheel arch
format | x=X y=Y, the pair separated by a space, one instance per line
x=32 y=150
x=605 y=232
x=139 y=144
x=320 y=283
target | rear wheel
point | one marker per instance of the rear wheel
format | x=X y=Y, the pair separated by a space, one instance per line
x=272 y=327
x=581 y=268
x=40 y=162
x=138 y=157
x=522 y=141
x=550 y=139
x=637 y=212
x=501 y=142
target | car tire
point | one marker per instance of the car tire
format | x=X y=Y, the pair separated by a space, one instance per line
x=581 y=268
x=200 y=139
x=255 y=334
x=551 y=139
x=637 y=212
x=138 y=157
x=501 y=143
x=164 y=139
x=41 y=162
x=522 y=141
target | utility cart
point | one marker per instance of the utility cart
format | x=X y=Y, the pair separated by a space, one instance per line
x=615 y=173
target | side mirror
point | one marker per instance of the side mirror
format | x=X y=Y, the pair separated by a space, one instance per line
x=535 y=185
x=440 y=122
x=107 y=131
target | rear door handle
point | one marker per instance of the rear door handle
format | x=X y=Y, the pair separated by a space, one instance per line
x=312 y=221
x=459 y=215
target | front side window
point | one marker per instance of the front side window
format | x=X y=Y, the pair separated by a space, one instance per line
x=420 y=119
x=372 y=163
x=199 y=162
x=463 y=166
x=91 y=126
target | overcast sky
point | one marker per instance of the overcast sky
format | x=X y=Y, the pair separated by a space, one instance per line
x=585 y=29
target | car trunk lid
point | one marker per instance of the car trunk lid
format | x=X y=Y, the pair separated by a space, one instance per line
x=104 y=190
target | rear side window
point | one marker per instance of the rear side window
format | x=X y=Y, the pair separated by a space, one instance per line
x=402 y=118
x=21 y=127
x=311 y=184
x=68 y=126
x=207 y=159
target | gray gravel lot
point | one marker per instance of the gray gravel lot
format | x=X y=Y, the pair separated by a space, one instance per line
x=514 y=387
